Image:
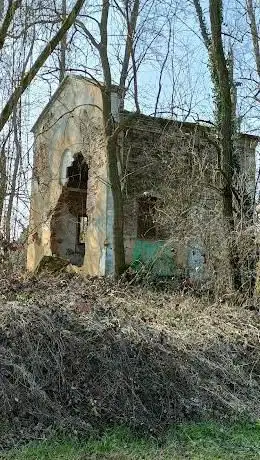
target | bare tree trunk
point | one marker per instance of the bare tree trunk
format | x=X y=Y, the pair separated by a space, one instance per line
x=162 y=71
x=111 y=148
x=225 y=120
x=254 y=33
x=114 y=178
x=3 y=180
x=245 y=211
x=256 y=46
x=129 y=51
x=63 y=44
x=130 y=13
x=17 y=160
x=11 y=10
x=226 y=130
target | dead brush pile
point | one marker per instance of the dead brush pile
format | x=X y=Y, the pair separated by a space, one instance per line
x=77 y=355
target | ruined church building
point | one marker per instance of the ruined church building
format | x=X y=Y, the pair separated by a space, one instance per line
x=71 y=213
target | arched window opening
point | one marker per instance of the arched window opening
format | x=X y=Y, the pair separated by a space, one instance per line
x=77 y=173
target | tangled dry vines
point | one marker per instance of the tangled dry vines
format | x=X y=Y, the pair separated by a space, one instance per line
x=78 y=355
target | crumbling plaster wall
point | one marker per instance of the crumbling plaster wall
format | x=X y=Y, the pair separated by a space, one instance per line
x=246 y=156
x=72 y=122
x=146 y=143
x=152 y=148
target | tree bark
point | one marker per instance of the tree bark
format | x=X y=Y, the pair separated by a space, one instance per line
x=11 y=10
x=3 y=180
x=222 y=85
x=129 y=52
x=254 y=33
x=18 y=156
x=115 y=183
x=63 y=44
x=111 y=148
x=226 y=131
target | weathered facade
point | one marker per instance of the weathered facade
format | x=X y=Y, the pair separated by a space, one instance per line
x=70 y=193
x=72 y=207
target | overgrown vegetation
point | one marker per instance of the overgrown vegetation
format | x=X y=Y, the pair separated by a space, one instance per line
x=79 y=355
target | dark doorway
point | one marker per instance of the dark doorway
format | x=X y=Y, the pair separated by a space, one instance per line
x=69 y=219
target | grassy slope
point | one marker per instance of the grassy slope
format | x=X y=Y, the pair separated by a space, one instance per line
x=190 y=441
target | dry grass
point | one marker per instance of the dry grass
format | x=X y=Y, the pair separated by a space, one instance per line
x=78 y=355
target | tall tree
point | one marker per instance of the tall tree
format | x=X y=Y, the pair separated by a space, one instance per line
x=222 y=83
x=3 y=177
x=129 y=13
x=16 y=122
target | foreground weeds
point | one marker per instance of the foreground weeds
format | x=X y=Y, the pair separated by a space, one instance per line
x=79 y=355
x=205 y=441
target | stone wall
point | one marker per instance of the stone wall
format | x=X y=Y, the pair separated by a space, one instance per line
x=73 y=121
x=178 y=163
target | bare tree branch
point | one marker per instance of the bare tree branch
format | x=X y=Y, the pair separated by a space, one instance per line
x=131 y=28
x=29 y=76
x=203 y=27
x=254 y=33
x=88 y=34
x=12 y=8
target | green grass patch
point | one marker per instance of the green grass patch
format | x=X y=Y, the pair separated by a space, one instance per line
x=186 y=441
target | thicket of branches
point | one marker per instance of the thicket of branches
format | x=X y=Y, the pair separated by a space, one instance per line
x=80 y=355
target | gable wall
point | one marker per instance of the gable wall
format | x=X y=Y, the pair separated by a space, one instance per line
x=72 y=122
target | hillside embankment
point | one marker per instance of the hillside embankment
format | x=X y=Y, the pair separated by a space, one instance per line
x=78 y=355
